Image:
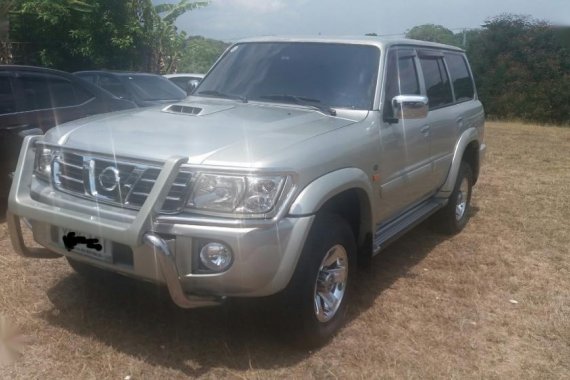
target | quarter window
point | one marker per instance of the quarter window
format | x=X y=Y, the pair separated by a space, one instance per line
x=437 y=83
x=460 y=76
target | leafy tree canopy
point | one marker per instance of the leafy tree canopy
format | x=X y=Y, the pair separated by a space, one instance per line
x=199 y=54
x=75 y=34
x=521 y=65
x=434 y=33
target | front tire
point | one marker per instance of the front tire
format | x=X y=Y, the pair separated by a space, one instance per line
x=314 y=303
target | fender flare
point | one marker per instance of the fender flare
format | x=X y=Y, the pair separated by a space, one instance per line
x=310 y=200
x=467 y=137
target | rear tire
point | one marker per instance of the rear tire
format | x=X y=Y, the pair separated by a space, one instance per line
x=455 y=215
x=314 y=303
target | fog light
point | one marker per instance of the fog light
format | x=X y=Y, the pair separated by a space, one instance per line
x=216 y=256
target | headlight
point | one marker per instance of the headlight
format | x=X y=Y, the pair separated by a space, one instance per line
x=235 y=194
x=42 y=166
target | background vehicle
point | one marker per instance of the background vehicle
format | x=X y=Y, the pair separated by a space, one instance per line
x=187 y=82
x=293 y=160
x=142 y=88
x=35 y=99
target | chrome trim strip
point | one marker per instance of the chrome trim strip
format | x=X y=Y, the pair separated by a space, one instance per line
x=17 y=238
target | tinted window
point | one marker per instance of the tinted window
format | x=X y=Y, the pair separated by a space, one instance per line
x=401 y=79
x=48 y=91
x=6 y=97
x=462 y=82
x=114 y=86
x=91 y=78
x=65 y=93
x=154 y=87
x=36 y=92
x=437 y=83
x=333 y=74
x=181 y=82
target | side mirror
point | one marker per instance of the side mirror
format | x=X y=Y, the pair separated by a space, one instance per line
x=409 y=107
x=192 y=84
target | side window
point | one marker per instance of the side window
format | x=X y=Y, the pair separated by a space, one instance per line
x=7 y=102
x=65 y=93
x=401 y=77
x=50 y=91
x=437 y=83
x=114 y=86
x=460 y=76
x=36 y=92
x=91 y=78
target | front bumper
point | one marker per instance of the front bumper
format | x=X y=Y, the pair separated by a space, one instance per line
x=265 y=255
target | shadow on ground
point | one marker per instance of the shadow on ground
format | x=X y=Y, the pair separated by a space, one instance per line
x=3 y=208
x=139 y=319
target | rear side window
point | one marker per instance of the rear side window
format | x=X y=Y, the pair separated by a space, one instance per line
x=65 y=93
x=460 y=77
x=49 y=91
x=437 y=83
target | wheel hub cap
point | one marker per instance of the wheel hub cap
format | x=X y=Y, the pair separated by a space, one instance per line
x=330 y=284
x=461 y=204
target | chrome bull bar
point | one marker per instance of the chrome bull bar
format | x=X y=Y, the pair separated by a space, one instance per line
x=21 y=204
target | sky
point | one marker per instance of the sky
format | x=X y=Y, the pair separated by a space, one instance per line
x=230 y=20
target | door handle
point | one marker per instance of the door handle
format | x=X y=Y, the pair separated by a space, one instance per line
x=425 y=130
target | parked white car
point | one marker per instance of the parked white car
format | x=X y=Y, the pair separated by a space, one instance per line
x=187 y=82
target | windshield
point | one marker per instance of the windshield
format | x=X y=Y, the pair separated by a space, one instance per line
x=337 y=75
x=150 y=87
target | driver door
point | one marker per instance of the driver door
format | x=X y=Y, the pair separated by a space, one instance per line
x=405 y=161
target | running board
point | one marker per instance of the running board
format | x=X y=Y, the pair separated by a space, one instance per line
x=387 y=233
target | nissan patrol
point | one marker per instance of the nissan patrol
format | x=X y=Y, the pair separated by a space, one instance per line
x=293 y=159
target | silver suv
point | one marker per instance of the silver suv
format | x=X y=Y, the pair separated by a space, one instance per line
x=293 y=160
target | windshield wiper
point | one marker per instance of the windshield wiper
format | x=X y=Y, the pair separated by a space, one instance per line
x=301 y=100
x=223 y=95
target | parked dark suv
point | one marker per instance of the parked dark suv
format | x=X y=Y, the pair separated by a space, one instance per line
x=142 y=88
x=35 y=99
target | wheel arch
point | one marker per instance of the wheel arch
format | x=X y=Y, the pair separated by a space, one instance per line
x=466 y=149
x=345 y=192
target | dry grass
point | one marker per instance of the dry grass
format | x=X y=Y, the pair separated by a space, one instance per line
x=429 y=307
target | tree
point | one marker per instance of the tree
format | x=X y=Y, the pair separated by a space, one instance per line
x=434 y=33
x=5 y=51
x=522 y=68
x=73 y=35
x=199 y=54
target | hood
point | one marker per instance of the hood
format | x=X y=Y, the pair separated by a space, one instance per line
x=211 y=132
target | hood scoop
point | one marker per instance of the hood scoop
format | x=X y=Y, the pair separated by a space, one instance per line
x=196 y=109
x=183 y=109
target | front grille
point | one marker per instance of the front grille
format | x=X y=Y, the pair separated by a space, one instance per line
x=124 y=184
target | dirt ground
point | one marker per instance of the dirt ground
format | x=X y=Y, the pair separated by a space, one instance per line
x=491 y=302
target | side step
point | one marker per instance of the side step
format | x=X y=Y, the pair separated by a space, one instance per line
x=388 y=232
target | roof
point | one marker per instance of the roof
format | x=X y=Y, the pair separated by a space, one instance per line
x=381 y=42
x=114 y=72
x=38 y=69
x=178 y=75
